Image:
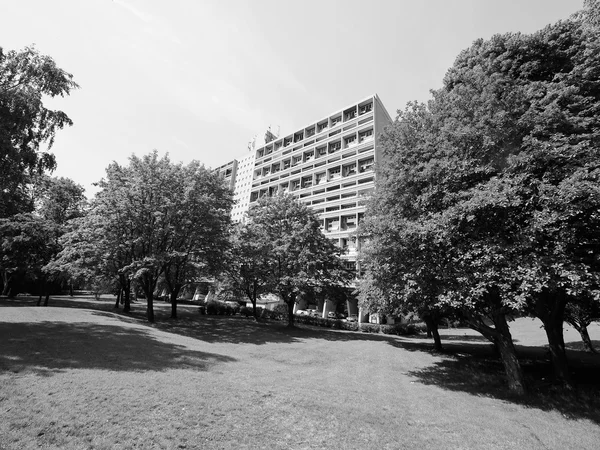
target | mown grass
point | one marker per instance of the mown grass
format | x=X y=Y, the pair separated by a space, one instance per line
x=84 y=377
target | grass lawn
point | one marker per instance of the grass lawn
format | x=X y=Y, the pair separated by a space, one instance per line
x=76 y=375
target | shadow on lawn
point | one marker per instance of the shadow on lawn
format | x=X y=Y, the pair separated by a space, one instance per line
x=49 y=347
x=477 y=370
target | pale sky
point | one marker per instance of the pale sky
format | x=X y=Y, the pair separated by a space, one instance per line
x=199 y=78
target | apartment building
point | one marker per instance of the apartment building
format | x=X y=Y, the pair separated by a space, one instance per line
x=328 y=165
x=242 y=187
x=228 y=173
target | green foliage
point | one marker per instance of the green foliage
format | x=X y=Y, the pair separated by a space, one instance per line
x=490 y=202
x=26 y=124
x=27 y=243
x=298 y=259
x=151 y=219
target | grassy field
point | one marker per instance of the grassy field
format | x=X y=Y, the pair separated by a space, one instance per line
x=76 y=375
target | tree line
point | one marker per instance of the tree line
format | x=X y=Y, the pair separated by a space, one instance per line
x=488 y=205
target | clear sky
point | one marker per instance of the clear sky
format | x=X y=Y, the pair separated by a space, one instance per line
x=200 y=78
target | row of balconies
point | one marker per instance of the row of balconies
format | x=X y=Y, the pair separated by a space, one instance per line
x=307 y=157
x=313 y=130
x=332 y=174
x=349 y=141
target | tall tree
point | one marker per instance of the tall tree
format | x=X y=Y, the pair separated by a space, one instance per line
x=301 y=259
x=503 y=162
x=151 y=219
x=26 y=125
x=198 y=218
x=248 y=266
x=27 y=244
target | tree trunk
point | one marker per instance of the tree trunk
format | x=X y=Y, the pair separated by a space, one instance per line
x=126 y=297
x=501 y=338
x=432 y=328
x=70 y=288
x=39 y=302
x=290 y=305
x=585 y=338
x=150 y=307
x=550 y=310
x=254 y=311
x=5 y=282
x=174 y=294
x=46 y=299
x=508 y=355
x=558 y=354
x=118 y=298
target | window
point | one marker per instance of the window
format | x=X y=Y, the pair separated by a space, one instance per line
x=332 y=224
x=349 y=114
x=309 y=156
x=298 y=136
x=334 y=146
x=348 y=222
x=310 y=132
x=320 y=178
x=365 y=108
x=350 y=141
x=349 y=170
x=366 y=164
x=365 y=135
x=336 y=120
x=334 y=173
x=321 y=151
x=322 y=126
x=287 y=141
x=307 y=182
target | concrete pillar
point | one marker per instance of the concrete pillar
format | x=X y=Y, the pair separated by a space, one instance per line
x=352 y=305
x=301 y=303
x=362 y=315
x=328 y=307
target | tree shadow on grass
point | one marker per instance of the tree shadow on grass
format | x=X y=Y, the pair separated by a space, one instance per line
x=243 y=330
x=49 y=347
x=476 y=369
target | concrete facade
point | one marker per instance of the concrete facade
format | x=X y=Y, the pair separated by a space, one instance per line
x=329 y=165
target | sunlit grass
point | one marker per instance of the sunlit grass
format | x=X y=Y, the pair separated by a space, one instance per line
x=73 y=378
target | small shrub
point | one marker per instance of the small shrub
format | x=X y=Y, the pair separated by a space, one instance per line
x=221 y=308
x=369 y=327
x=245 y=311
x=212 y=308
x=349 y=326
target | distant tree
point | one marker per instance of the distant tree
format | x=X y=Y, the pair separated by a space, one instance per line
x=248 y=266
x=26 y=124
x=27 y=244
x=580 y=315
x=60 y=200
x=301 y=259
x=150 y=220
x=198 y=221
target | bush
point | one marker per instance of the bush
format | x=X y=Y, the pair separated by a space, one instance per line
x=348 y=326
x=369 y=327
x=245 y=311
x=215 y=307
x=211 y=308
